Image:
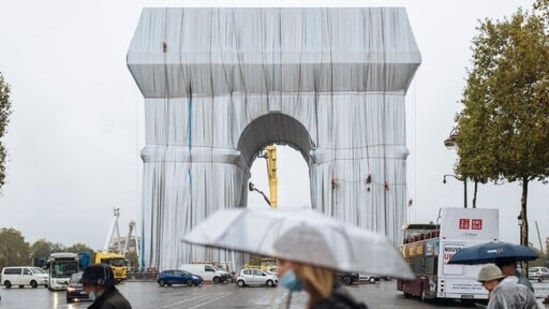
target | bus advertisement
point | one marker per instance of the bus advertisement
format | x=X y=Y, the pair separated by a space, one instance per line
x=428 y=248
x=61 y=265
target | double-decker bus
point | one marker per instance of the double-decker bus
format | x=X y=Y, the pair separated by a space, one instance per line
x=428 y=248
x=61 y=265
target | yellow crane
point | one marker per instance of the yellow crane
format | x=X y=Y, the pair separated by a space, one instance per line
x=270 y=155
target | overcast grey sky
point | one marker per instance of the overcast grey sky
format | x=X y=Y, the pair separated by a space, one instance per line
x=77 y=128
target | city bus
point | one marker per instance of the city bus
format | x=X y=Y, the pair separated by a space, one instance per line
x=428 y=248
x=61 y=265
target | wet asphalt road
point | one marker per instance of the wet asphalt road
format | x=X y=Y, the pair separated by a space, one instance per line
x=148 y=295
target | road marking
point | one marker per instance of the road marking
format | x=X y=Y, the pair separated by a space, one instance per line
x=211 y=300
x=186 y=300
x=210 y=296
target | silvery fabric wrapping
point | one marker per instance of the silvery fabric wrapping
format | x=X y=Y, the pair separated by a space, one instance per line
x=221 y=83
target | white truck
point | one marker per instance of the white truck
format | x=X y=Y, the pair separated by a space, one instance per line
x=208 y=272
x=429 y=247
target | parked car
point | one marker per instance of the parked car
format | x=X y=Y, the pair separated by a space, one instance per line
x=538 y=273
x=207 y=272
x=75 y=289
x=24 y=275
x=176 y=276
x=250 y=276
x=348 y=278
x=367 y=277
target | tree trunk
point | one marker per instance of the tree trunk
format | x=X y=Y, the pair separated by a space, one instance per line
x=524 y=221
x=475 y=195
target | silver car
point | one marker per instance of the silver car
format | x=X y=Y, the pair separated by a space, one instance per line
x=250 y=276
x=538 y=273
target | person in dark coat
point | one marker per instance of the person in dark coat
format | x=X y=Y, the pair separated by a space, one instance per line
x=98 y=281
x=508 y=267
x=320 y=283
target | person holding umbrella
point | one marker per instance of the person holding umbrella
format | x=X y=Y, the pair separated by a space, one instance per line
x=318 y=281
x=324 y=290
x=311 y=246
x=504 y=292
x=508 y=267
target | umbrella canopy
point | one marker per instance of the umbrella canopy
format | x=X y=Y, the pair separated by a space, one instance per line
x=301 y=235
x=491 y=252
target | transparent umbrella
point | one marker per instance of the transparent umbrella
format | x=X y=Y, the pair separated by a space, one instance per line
x=301 y=235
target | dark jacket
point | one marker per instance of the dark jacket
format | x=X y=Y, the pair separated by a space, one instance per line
x=340 y=299
x=111 y=299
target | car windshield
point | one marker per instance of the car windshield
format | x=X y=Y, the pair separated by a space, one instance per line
x=38 y=270
x=118 y=262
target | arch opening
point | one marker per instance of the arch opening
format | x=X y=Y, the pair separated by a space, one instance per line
x=281 y=130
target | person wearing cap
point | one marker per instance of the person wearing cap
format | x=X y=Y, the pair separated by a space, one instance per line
x=505 y=292
x=508 y=267
x=98 y=281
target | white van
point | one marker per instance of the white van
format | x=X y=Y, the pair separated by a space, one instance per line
x=23 y=275
x=208 y=272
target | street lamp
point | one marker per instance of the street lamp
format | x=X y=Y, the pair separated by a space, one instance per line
x=519 y=218
x=450 y=142
x=464 y=186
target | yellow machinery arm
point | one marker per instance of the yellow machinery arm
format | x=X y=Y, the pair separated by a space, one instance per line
x=270 y=156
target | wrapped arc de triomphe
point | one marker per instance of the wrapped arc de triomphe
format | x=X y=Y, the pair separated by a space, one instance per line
x=222 y=83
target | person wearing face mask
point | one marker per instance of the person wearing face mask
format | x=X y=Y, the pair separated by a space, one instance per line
x=505 y=292
x=98 y=281
x=320 y=283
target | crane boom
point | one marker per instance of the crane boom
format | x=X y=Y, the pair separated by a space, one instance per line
x=131 y=227
x=114 y=226
x=270 y=156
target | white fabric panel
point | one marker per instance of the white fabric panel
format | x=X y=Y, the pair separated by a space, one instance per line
x=221 y=83
x=218 y=51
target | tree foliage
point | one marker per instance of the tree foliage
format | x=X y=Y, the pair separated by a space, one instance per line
x=14 y=250
x=41 y=249
x=502 y=133
x=5 y=112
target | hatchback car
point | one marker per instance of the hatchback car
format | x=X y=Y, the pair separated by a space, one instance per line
x=175 y=276
x=347 y=278
x=249 y=276
x=538 y=273
x=367 y=277
x=75 y=290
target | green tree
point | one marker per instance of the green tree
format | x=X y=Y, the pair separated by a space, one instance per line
x=5 y=112
x=502 y=132
x=79 y=247
x=13 y=248
x=58 y=247
x=41 y=249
